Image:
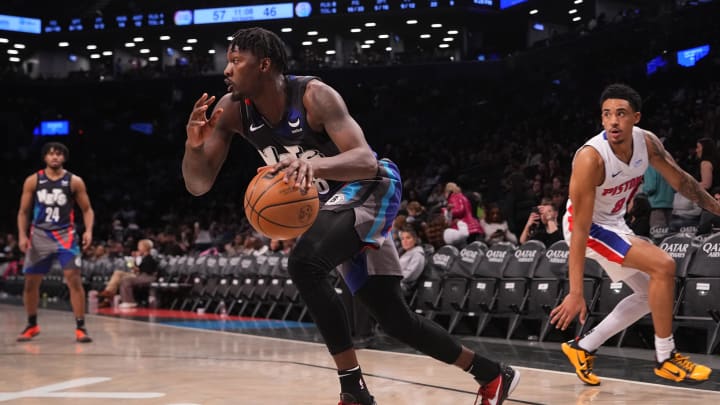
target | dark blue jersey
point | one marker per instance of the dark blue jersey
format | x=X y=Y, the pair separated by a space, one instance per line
x=53 y=203
x=292 y=135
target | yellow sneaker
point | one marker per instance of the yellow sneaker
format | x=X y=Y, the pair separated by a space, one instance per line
x=582 y=360
x=679 y=368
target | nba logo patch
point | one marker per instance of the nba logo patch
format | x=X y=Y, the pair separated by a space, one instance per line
x=337 y=199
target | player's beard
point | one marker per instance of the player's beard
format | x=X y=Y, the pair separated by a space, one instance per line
x=237 y=96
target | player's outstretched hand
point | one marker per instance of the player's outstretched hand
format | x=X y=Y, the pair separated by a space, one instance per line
x=199 y=127
x=562 y=315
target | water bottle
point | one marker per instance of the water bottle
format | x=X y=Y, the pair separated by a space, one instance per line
x=223 y=310
x=93 y=302
x=116 y=301
x=44 y=301
x=152 y=299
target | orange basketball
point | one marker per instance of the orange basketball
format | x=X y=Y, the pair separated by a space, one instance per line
x=279 y=210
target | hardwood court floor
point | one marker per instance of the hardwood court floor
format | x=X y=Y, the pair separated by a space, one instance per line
x=132 y=362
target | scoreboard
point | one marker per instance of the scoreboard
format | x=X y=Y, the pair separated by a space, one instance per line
x=101 y=23
x=256 y=12
x=334 y=7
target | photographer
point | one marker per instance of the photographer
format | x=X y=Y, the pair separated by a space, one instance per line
x=542 y=225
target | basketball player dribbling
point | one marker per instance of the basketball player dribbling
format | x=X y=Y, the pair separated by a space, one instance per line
x=301 y=126
x=52 y=193
x=606 y=173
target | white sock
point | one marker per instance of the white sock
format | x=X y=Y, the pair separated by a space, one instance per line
x=664 y=347
x=625 y=313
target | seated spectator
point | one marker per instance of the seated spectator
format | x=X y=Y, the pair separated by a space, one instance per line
x=168 y=244
x=435 y=229
x=685 y=215
x=145 y=271
x=464 y=227
x=660 y=196
x=288 y=245
x=638 y=218
x=412 y=261
x=559 y=200
x=399 y=224
x=234 y=248
x=276 y=246
x=709 y=223
x=254 y=245
x=416 y=216
x=496 y=227
x=542 y=225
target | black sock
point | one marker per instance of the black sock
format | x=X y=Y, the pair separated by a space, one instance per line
x=484 y=370
x=80 y=322
x=32 y=320
x=352 y=382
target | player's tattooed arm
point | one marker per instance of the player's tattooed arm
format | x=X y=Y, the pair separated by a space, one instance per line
x=679 y=179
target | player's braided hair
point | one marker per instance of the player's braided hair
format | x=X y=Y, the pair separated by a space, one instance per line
x=263 y=44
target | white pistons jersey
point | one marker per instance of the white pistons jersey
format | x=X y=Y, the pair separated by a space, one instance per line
x=622 y=180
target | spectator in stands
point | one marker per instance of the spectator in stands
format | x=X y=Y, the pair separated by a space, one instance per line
x=203 y=239
x=660 y=196
x=113 y=285
x=275 y=246
x=254 y=246
x=638 y=218
x=115 y=249
x=399 y=223
x=496 y=227
x=99 y=252
x=417 y=217
x=685 y=215
x=12 y=255
x=412 y=261
x=235 y=247
x=542 y=225
x=288 y=245
x=709 y=223
x=463 y=226
x=168 y=244
x=144 y=270
x=709 y=170
x=435 y=229
x=11 y=250
x=559 y=200
x=436 y=198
